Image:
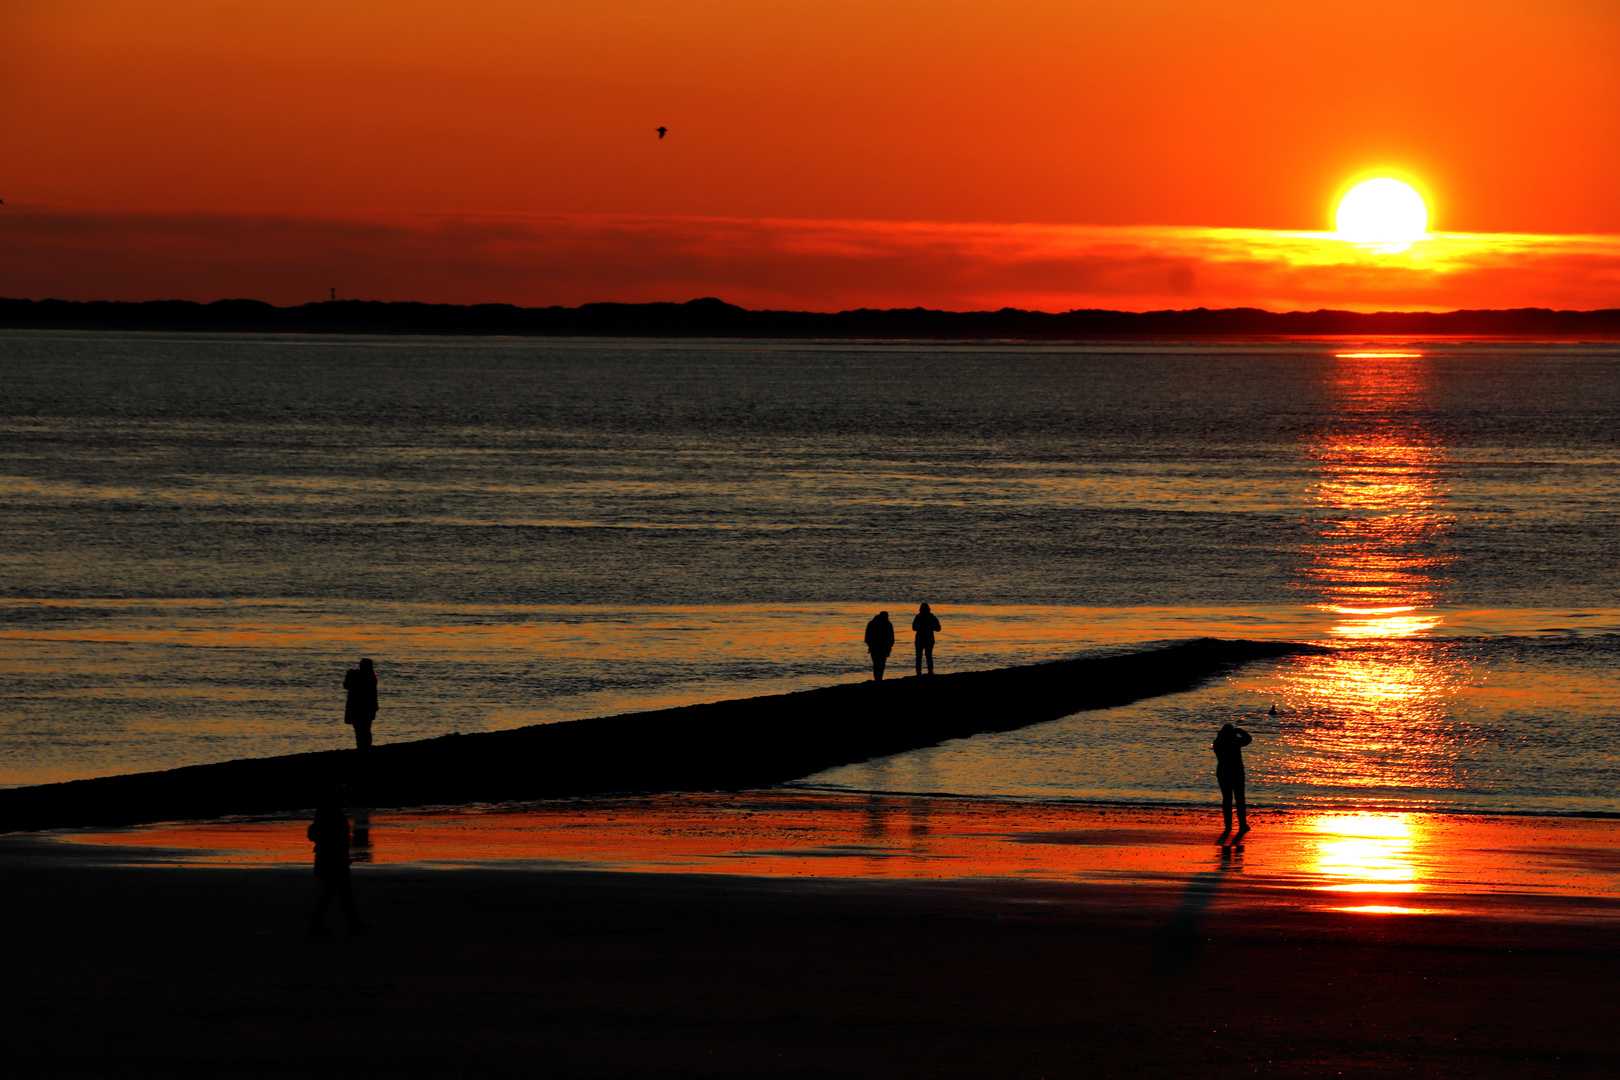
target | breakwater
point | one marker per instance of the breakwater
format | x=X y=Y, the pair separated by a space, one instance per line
x=725 y=745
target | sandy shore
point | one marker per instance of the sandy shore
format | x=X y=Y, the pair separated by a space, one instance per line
x=1121 y=946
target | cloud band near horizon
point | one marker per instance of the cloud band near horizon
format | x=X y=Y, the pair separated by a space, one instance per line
x=569 y=259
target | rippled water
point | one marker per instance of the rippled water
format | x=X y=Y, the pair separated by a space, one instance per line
x=202 y=533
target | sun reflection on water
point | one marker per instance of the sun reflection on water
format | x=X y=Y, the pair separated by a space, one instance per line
x=1374 y=712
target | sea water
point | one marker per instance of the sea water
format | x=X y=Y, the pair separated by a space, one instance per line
x=201 y=533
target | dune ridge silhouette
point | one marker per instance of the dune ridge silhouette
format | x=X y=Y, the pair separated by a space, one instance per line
x=710 y=317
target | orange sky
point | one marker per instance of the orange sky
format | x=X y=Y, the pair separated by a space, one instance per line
x=1230 y=114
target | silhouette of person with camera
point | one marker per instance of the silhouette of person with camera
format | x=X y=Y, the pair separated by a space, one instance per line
x=1228 y=747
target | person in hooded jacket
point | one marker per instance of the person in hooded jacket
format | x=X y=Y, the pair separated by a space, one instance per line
x=926 y=624
x=360 y=706
x=1228 y=747
x=879 y=642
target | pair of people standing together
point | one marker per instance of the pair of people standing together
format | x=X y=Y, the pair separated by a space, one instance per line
x=880 y=640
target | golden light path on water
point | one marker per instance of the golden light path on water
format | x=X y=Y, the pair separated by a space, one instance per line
x=1378 y=559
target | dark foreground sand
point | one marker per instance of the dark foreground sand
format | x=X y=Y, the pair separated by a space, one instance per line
x=137 y=969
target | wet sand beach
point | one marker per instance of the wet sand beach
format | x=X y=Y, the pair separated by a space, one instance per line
x=853 y=937
x=1370 y=862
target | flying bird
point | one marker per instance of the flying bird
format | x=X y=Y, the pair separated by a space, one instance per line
x=661 y=131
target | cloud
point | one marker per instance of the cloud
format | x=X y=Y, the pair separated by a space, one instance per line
x=543 y=259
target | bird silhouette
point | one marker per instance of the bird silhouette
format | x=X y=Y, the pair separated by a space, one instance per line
x=661 y=131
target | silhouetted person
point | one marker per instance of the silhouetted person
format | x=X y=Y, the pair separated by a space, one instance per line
x=330 y=834
x=927 y=625
x=1228 y=747
x=879 y=642
x=360 y=708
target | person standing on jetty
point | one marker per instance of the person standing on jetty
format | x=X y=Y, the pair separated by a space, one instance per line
x=879 y=642
x=360 y=709
x=329 y=832
x=926 y=623
x=1228 y=747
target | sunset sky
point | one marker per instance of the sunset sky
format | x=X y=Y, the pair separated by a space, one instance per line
x=1039 y=153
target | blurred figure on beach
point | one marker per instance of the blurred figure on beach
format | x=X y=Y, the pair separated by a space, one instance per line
x=360 y=709
x=879 y=642
x=927 y=625
x=329 y=832
x=1228 y=747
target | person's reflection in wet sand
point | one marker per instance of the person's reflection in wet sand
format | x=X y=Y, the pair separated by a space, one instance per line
x=329 y=832
x=878 y=854
x=1228 y=747
x=879 y=642
x=877 y=818
x=360 y=835
x=360 y=707
x=918 y=813
x=926 y=624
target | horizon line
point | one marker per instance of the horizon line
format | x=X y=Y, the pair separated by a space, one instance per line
x=712 y=317
x=825 y=313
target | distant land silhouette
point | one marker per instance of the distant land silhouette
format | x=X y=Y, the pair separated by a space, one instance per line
x=709 y=317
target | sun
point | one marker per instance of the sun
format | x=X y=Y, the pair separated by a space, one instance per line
x=1384 y=212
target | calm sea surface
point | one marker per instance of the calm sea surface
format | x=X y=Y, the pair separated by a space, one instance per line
x=200 y=534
